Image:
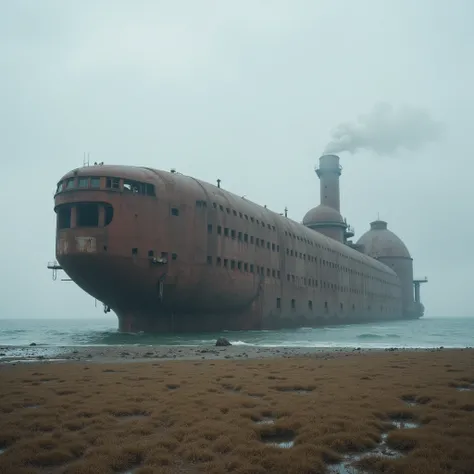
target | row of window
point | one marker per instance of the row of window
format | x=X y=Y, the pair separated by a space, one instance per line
x=326 y=306
x=243 y=237
x=228 y=210
x=96 y=182
x=299 y=281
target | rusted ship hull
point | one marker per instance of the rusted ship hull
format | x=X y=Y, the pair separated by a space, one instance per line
x=167 y=252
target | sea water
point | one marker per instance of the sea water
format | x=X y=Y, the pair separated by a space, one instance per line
x=423 y=333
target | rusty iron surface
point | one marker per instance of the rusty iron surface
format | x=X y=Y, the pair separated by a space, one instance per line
x=159 y=263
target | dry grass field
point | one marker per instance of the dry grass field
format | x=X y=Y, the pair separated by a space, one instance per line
x=390 y=412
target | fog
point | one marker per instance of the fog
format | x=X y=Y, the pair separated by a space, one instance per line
x=250 y=92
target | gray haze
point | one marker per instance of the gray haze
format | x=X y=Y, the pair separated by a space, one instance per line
x=248 y=92
x=386 y=130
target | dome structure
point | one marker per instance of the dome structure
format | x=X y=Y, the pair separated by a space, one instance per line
x=379 y=242
x=322 y=215
x=327 y=221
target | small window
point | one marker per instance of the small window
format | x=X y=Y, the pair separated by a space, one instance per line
x=246 y=237
x=151 y=253
x=228 y=210
x=232 y=233
x=251 y=239
x=226 y=231
x=278 y=274
x=268 y=272
x=174 y=256
x=209 y=228
x=218 y=261
x=95 y=182
x=174 y=211
x=246 y=267
x=325 y=305
x=251 y=268
x=83 y=182
x=293 y=304
x=209 y=260
x=268 y=245
x=239 y=236
x=134 y=251
x=342 y=306
x=273 y=247
x=310 y=305
x=239 y=265
x=232 y=264
x=219 y=229
x=70 y=183
x=164 y=254
x=221 y=207
x=214 y=205
x=234 y=212
x=273 y=273
x=278 y=303
x=226 y=262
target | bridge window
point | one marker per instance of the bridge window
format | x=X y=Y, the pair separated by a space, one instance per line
x=95 y=182
x=87 y=215
x=83 y=182
x=112 y=183
x=70 y=183
x=109 y=214
x=64 y=217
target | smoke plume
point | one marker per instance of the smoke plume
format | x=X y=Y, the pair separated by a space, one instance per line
x=385 y=130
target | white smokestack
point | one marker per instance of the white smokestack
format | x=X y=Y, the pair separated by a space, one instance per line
x=385 y=130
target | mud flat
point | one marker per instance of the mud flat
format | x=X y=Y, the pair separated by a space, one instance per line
x=322 y=412
x=127 y=353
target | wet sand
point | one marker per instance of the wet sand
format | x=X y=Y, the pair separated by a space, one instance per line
x=128 y=353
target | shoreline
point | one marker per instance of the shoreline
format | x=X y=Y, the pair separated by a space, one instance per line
x=128 y=353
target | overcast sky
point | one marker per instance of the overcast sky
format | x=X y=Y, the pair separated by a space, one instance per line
x=246 y=91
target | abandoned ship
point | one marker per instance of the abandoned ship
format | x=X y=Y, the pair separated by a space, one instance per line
x=168 y=252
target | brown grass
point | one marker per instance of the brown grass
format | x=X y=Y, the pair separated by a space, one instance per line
x=220 y=416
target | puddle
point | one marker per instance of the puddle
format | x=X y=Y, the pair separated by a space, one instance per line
x=469 y=388
x=294 y=390
x=32 y=407
x=265 y=421
x=279 y=440
x=381 y=450
x=403 y=424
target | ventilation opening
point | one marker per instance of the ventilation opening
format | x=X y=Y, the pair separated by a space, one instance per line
x=64 y=217
x=87 y=215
